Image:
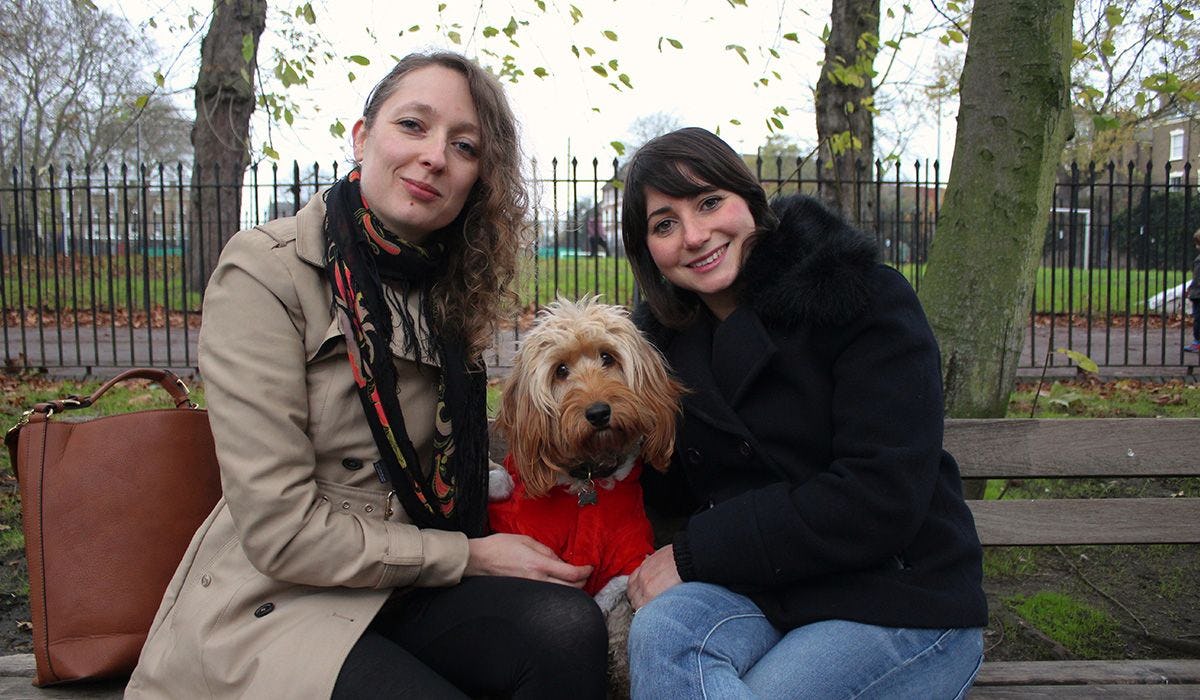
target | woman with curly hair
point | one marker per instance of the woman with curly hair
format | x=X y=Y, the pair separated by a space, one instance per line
x=341 y=355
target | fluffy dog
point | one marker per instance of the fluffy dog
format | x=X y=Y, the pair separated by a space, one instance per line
x=588 y=403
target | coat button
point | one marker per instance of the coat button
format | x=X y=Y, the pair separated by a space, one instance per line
x=369 y=508
x=352 y=463
x=694 y=456
x=745 y=449
x=264 y=610
x=345 y=505
x=205 y=580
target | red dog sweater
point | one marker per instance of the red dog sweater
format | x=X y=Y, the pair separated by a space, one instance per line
x=613 y=535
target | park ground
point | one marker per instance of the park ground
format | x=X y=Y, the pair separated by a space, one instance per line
x=1045 y=603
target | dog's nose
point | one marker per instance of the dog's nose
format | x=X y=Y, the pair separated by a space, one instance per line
x=598 y=414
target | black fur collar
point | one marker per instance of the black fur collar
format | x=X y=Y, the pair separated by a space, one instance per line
x=811 y=269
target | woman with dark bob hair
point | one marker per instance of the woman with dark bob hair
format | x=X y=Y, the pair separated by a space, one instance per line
x=827 y=551
x=341 y=352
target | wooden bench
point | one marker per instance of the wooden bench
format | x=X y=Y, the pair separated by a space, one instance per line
x=1078 y=449
x=1020 y=449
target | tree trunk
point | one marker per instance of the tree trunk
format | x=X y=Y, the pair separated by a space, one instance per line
x=1013 y=122
x=844 y=106
x=220 y=134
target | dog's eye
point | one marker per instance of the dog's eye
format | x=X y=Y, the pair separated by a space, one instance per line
x=561 y=371
x=607 y=360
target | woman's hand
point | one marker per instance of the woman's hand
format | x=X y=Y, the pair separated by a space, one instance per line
x=656 y=574
x=505 y=554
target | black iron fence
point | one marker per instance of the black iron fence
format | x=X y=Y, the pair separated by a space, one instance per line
x=94 y=262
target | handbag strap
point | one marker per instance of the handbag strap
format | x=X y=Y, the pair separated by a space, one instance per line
x=41 y=411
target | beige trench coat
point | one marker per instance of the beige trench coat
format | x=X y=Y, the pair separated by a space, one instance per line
x=306 y=545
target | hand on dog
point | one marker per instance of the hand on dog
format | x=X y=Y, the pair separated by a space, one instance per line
x=656 y=574
x=505 y=554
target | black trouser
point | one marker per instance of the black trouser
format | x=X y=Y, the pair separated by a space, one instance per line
x=487 y=636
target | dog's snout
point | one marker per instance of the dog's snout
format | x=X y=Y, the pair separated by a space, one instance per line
x=598 y=414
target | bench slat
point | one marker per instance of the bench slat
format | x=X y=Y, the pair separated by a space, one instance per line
x=1073 y=672
x=1083 y=692
x=1097 y=447
x=1088 y=521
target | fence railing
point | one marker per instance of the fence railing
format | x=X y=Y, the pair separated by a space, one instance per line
x=94 y=262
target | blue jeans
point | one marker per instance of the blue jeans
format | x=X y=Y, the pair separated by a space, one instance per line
x=699 y=640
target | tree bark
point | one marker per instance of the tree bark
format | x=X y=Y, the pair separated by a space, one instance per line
x=844 y=104
x=1013 y=123
x=220 y=134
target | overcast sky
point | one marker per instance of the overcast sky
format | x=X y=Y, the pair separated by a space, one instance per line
x=704 y=84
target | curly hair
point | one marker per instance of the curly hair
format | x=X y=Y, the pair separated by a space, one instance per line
x=485 y=241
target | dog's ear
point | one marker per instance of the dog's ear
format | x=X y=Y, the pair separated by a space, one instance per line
x=527 y=428
x=660 y=400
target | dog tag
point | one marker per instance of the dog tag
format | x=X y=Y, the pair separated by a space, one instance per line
x=587 y=495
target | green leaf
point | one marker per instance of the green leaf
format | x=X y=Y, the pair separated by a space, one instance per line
x=309 y=16
x=740 y=50
x=541 y=5
x=575 y=50
x=1108 y=48
x=159 y=79
x=778 y=124
x=489 y=32
x=589 y=51
x=338 y=129
x=1085 y=363
x=540 y=72
x=247 y=47
x=1104 y=122
x=454 y=37
x=270 y=152
x=735 y=122
x=773 y=52
x=576 y=14
x=141 y=101
x=609 y=34
x=618 y=147
x=351 y=77
x=792 y=36
x=600 y=70
x=441 y=6
x=510 y=29
x=625 y=79
x=360 y=60
x=288 y=117
x=1114 y=15
x=954 y=35
x=414 y=28
x=152 y=22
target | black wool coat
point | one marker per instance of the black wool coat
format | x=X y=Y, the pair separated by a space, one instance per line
x=809 y=454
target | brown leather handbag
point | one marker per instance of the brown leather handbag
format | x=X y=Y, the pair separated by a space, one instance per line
x=108 y=506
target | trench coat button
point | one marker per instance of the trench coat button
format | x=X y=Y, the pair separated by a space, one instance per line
x=745 y=449
x=205 y=580
x=345 y=505
x=694 y=456
x=369 y=508
x=264 y=610
x=352 y=463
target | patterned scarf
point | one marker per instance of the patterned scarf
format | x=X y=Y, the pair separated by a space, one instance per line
x=361 y=258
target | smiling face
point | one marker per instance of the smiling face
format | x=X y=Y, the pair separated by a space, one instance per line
x=420 y=152
x=697 y=242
